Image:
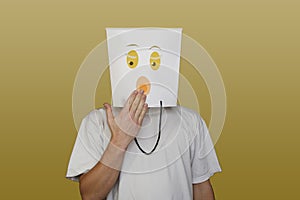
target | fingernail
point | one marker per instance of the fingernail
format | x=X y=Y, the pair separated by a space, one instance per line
x=141 y=91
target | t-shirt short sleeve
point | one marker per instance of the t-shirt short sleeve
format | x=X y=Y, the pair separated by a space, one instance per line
x=204 y=159
x=88 y=147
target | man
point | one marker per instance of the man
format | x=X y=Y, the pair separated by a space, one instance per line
x=172 y=159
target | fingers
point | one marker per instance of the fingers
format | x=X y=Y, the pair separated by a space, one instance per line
x=109 y=114
x=143 y=112
x=136 y=103
x=139 y=108
x=130 y=99
x=136 y=106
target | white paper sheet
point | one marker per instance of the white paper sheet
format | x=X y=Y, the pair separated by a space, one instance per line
x=148 y=58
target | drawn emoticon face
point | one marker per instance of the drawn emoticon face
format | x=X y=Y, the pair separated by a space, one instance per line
x=147 y=59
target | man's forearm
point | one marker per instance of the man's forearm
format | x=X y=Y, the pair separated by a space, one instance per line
x=203 y=191
x=98 y=182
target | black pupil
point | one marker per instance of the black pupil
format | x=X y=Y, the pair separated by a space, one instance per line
x=153 y=64
x=130 y=63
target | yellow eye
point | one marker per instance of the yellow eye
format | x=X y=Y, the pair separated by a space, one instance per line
x=155 y=60
x=132 y=59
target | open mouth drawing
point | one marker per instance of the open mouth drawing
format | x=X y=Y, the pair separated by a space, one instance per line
x=144 y=84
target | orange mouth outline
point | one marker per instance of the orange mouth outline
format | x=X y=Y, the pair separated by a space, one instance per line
x=143 y=83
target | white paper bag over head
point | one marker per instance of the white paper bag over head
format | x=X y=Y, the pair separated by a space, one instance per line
x=144 y=58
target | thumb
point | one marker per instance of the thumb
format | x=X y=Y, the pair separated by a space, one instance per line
x=109 y=114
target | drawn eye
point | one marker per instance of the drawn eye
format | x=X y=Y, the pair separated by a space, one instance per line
x=155 y=60
x=132 y=59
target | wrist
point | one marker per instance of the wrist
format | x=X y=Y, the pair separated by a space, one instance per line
x=121 y=142
x=113 y=157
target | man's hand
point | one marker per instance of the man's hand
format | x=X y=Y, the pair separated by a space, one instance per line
x=127 y=124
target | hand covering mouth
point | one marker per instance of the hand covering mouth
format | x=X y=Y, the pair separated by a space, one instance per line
x=143 y=83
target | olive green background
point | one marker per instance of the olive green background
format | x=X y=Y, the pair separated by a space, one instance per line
x=254 y=43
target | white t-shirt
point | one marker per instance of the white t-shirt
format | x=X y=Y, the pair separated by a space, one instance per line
x=184 y=156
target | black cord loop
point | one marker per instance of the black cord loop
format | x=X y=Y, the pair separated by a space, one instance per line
x=159 y=131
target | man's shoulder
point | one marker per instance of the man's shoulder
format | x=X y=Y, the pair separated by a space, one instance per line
x=184 y=115
x=186 y=112
x=96 y=114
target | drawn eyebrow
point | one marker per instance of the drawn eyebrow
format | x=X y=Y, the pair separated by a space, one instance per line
x=132 y=45
x=155 y=47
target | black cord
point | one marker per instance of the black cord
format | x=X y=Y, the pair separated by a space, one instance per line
x=159 y=125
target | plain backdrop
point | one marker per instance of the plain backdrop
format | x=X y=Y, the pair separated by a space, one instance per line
x=255 y=45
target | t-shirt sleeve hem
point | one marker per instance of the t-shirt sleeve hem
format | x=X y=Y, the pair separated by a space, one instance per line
x=74 y=175
x=206 y=176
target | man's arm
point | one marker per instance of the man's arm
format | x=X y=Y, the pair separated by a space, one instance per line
x=98 y=182
x=203 y=191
